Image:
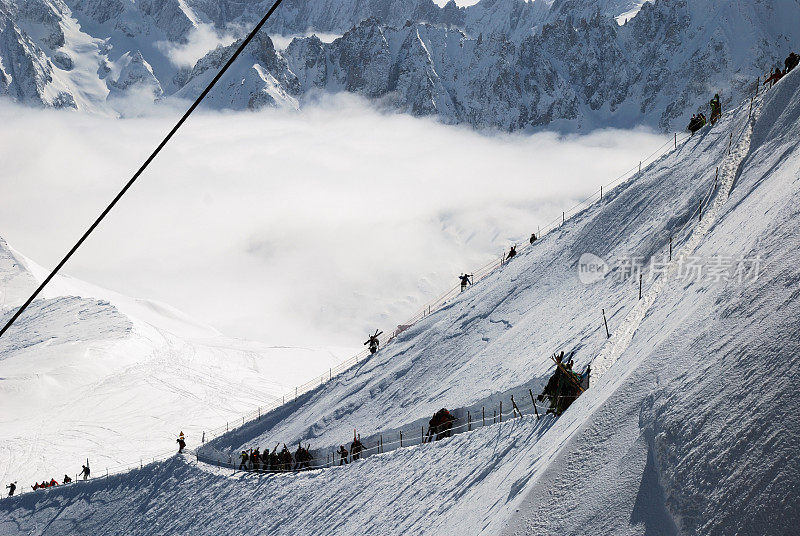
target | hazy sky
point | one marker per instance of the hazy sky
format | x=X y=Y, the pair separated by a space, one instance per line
x=291 y=228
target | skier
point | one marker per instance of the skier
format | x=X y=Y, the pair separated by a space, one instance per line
x=511 y=252
x=35 y=486
x=465 y=280
x=356 y=447
x=255 y=456
x=373 y=341
x=697 y=122
x=67 y=479
x=243 y=463
x=716 y=108
x=551 y=390
x=440 y=425
x=181 y=443
x=774 y=76
x=285 y=459
x=791 y=62
x=533 y=238
x=52 y=483
x=342 y=452
x=85 y=470
x=302 y=457
x=274 y=459
x=11 y=488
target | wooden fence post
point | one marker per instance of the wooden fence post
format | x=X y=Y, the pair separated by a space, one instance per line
x=701 y=211
x=401 y=439
x=534 y=404
x=483 y=415
x=730 y=143
x=501 y=411
x=608 y=335
x=601 y=193
x=640 y=286
x=670 y=247
x=422 y=436
x=514 y=404
x=676 y=140
x=469 y=422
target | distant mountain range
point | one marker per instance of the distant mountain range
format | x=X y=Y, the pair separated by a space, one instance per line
x=507 y=64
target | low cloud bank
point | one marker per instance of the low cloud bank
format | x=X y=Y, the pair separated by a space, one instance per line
x=307 y=228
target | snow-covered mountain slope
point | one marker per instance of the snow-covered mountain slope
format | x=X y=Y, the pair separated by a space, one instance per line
x=507 y=64
x=575 y=73
x=259 y=78
x=88 y=373
x=688 y=430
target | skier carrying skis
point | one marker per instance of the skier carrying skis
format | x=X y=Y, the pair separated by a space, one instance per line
x=85 y=470
x=181 y=443
x=716 y=108
x=791 y=62
x=11 y=488
x=373 y=341
x=774 y=76
x=697 y=122
x=285 y=459
x=440 y=425
x=356 y=447
x=511 y=252
x=465 y=280
x=342 y=452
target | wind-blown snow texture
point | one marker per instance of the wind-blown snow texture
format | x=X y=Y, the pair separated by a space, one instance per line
x=691 y=429
x=506 y=64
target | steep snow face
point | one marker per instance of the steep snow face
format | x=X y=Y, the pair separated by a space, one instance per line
x=689 y=431
x=259 y=78
x=87 y=373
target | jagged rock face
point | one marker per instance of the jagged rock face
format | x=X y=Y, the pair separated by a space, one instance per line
x=25 y=71
x=261 y=77
x=505 y=64
x=139 y=74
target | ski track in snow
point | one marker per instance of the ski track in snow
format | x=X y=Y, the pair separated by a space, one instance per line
x=623 y=335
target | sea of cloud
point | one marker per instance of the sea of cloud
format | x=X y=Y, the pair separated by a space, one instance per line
x=295 y=228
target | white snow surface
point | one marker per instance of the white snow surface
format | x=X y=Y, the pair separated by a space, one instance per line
x=691 y=429
x=86 y=372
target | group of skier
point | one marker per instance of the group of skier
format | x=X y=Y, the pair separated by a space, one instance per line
x=699 y=120
x=565 y=385
x=791 y=61
x=276 y=461
x=12 y=487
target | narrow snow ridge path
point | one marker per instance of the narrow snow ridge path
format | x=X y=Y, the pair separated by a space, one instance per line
x=623 y=335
